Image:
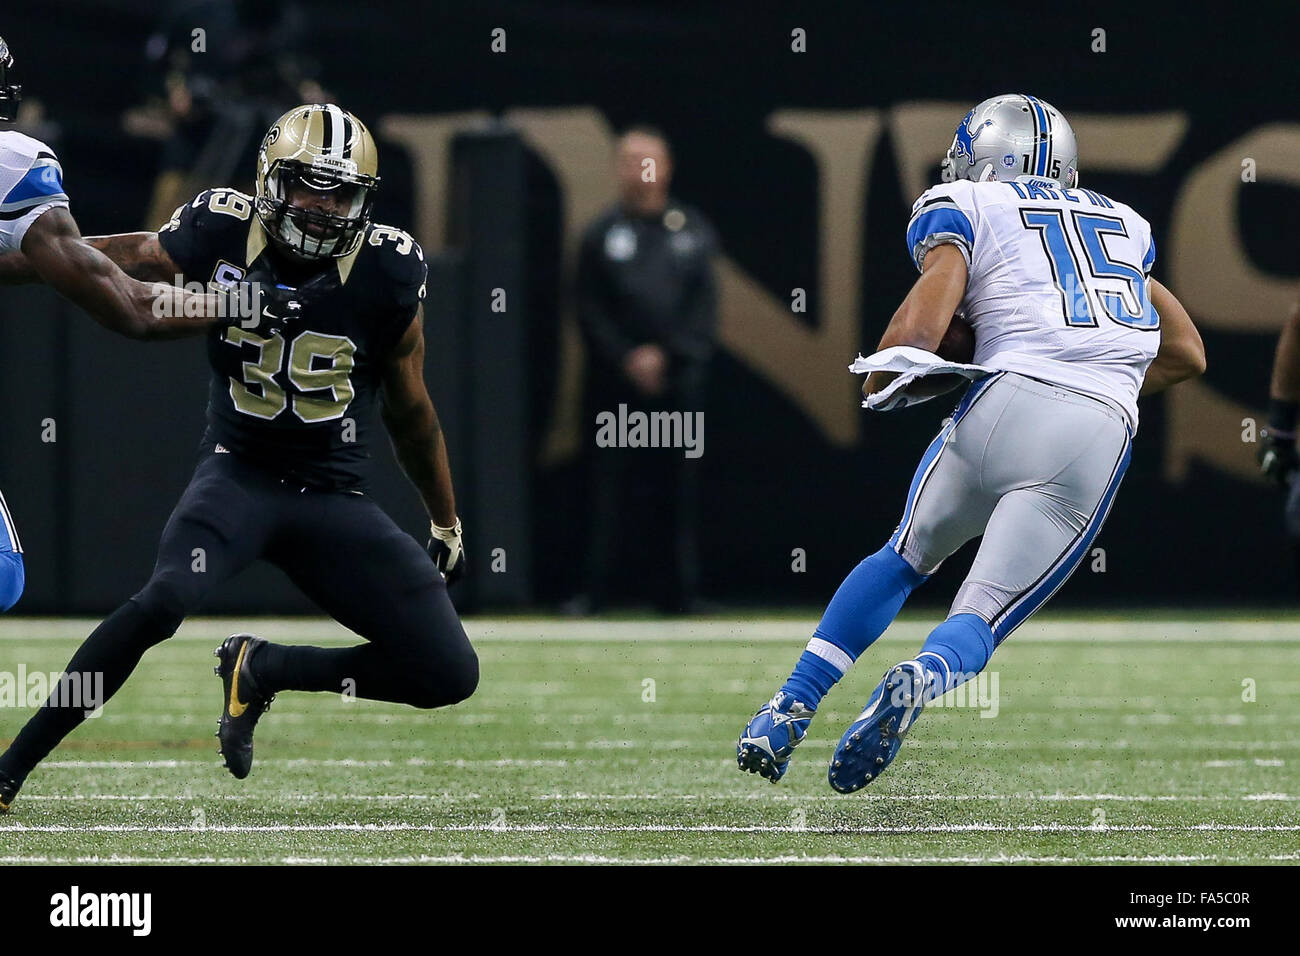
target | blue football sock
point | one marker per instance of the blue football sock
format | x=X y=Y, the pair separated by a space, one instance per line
x=12 y=578
x=866 y=603
x=956 y=651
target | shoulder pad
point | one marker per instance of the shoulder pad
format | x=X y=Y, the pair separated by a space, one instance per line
x=30 y=174
x=216 y=206
x=18 y=149
x=957 y=191
x=400 y=260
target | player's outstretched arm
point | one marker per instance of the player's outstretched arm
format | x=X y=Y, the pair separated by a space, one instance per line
x=412 y=423
x=139 y=254
x=1182 y=353
x=926 y=313
x=16 y=269
x=57 y=255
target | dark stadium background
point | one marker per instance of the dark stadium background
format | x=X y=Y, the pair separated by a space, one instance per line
x=90 y=506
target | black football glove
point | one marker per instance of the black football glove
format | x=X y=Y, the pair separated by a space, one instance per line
x=273 y=304
x=1277 y=455
x=448 y=551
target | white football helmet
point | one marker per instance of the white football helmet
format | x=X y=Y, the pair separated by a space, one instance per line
x=1013 y=136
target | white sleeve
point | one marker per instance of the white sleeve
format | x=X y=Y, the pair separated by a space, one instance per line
x=1149 y=257
x=12 y=231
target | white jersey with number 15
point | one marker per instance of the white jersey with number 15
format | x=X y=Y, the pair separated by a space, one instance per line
x=1058 y=281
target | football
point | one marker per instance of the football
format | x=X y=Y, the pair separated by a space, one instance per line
x=958 y=343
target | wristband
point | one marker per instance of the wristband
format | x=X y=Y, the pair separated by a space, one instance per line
x=1282 y=415
x=442 y=534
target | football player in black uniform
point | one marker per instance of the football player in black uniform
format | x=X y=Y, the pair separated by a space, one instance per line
x=282 y=467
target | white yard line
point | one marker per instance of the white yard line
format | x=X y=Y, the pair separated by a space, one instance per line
x=562 y=762
x=590 y=858
x=1053 y=630
x=686 y=797
x=695 y=745
x=292 y=762
x=932 y=797
x=643 y=828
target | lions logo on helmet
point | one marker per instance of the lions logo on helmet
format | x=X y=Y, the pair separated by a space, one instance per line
x=10 y=94
x=964 y=143
x=325 y=149
x=1012 y=136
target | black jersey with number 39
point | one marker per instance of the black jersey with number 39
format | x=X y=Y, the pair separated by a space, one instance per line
x=297 y=396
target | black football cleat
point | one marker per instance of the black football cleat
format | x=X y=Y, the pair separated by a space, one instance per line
x=8 y=791
x=242 y=702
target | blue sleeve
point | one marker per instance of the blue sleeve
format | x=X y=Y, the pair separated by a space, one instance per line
x=41 y=184
x=1149 y=259
x=936 y=221
x=13 y=578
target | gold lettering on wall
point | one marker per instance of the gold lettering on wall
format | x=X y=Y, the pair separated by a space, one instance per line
x=1212 y=272
x=809 y=365
x=1200 y=424
x=1203 y=254
x=427 y=139
x=577 y=144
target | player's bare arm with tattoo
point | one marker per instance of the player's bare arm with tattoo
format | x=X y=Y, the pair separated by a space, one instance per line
x=412 y=423
x=139 y=254
x=84 y=271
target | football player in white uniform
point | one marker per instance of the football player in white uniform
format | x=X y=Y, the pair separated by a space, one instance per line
x=35 y=220
x=1069 y=329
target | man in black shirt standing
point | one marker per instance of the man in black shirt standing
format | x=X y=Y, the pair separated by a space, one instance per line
x=647 y=305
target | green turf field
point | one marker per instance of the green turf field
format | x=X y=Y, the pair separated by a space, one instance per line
x=1114 y=740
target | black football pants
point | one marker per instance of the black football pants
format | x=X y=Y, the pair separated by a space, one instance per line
x=340 y=548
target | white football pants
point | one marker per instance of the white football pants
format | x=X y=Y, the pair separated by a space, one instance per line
x=1034 y=468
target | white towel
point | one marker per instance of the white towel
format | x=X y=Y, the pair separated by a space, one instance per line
x=912 y=364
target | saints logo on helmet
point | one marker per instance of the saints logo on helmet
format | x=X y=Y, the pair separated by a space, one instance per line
x=1010 y=137
x=324 y=150
x=9 y=93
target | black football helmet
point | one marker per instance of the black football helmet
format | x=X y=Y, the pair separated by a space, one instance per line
x=10 y=94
